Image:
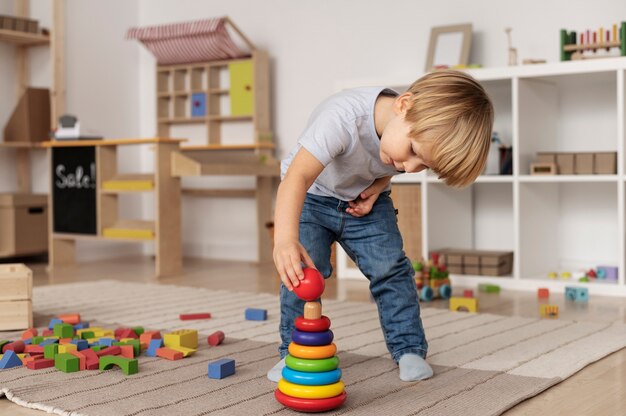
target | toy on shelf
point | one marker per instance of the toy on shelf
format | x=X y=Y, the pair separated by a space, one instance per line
x=579 y=163
x=311 y=379
x=463 y=304
x=604 y=43
x=432 y=279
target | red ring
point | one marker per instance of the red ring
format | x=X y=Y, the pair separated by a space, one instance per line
x=309 y=405
x=312 y=325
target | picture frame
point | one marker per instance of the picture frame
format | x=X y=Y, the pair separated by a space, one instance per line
x=449 y=45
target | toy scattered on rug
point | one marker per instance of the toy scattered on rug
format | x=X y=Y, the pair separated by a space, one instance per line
x=71 y=345
x=193 y=316
x=432 y=279
x=311 y=379
x=488 y=288
x=464 y=304
x=578 y=294
x=543 y=293
x=549 y=311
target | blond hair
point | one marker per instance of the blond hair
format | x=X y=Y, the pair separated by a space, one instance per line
x=451 y=110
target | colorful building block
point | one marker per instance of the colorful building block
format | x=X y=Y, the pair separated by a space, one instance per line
x=53 y=322
x=543 y=293
x=127 y=365
x=186 y=351
x=40 y=364
x=222 y=368
x=169 y=354
x=549 y=311
x=138 y=330
x=187 y=338
x=215 y=338
x=127 y=351
x=9 y=360
x=115 y=350
x=93 y=362
x=468 y=293
x=81 y=325
x=146 y=337
x=15 y=346
x=463 y=304
x=82 y=360
x=81 y=344
x=50 y=350
x=29 y=333
x=488 y=288
x=70 y=318
x=36 y=340
x=154 y=345
x=63 y=330
x=578 y=294
x=192 y=316
x=34 y=349
x=63 y=348
x=66 y=362
x=253 y=314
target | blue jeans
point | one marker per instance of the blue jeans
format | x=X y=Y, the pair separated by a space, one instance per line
x=374 y=243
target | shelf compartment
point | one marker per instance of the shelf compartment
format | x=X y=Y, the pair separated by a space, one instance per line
x=224 y=162
x=23 y=38
x=130 y=230
x=163 y=81
x=129 y=183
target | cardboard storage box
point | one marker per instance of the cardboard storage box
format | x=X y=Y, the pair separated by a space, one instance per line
x=478 y=262
x=15 y=315
x=565 y=163
x=543 y=157
x=24 y=224
x=605 y=163
x=16 y=281
x=584 y=164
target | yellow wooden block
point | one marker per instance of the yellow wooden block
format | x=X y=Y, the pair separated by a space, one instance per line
x=186 y=351
x=464 y=304
x=549 y=311
x=187 y=338
x=92 y=340
x=104 y=333
x=126 y=339
x=66 y=348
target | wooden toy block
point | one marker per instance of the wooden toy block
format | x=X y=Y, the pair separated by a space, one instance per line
x=81 y=344
x=468 y=293
x=578 y=294
x=28 y=358
x=50 y=350
x=63 y=330
x=187 y=338
x=154 y=345
x=47 y=332
x=65 y=340
x=222 y=368
x=138 y=330
x=127 y=365
x=40 y=364
x=191 y=316
x=126 y=333
x=463 y=304
x=70 y=318
x=215 y=338
x=9 y=360
x=96 y=348
x=82 y=360
x=66 y=363
x=81 y=325
x=487 y=288
x=146 y=337
x=36 y=340
x=543 y=293
x=63 y=348
x=29 y=333
x=543 y=169
x=107 y=342
x=253 y=314
x=169 y=354
x=92 y=360
x=34 y=349
x=186 y=351
x=549 y=311
x=49 y=341
x=109 y=351
x=312 y=310
x=53 y=322
x=86 y=335
x=127 y=351
x=102 y=333
x=15 y=346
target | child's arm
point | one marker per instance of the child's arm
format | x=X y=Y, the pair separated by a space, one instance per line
x=364 y=203
x=288 y=252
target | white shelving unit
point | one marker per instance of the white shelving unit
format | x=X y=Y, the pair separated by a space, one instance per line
x=551 y=223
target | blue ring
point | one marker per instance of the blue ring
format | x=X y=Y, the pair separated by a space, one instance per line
x=312 y=379
x=312 y=338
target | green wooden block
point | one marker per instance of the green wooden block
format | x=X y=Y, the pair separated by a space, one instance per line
x=50 y=351
x=97 y=348
x=133 y=342
x=67 y=363
x=63 y=330
x=138 y=330
x=485 y=287
x=129 y=366
x=37 y=340
x=87 y=335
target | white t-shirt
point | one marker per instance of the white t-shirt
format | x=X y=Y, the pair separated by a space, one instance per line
x=341 y=134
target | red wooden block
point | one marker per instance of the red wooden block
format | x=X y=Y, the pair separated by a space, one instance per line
x=543 y=293
x=109 y=351
x=92 y=359
x=70 y=318
x=127 y=351
x=468 y=293
x=65 y=340
x=15 y=346
x=30 y=358
x=29 y=333
x=125 y=333
x=146 y=337
x=169 y=353
x=33 y=349
x=215 y=338
x=47 y=333
x=39 y=364
x=190 y=316
x=82 y=360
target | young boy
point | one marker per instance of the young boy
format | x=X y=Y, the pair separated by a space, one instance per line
x=336 y=186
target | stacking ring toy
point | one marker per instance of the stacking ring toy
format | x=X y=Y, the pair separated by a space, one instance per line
x=310 y=392
x=312 y=325
x=312 y=338
x=310 y=366
x=311 y=379
x=312 y=353
x=309 y=405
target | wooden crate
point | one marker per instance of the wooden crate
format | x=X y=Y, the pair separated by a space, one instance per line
x=478 y=262
x=16 y=315
x=16 y=288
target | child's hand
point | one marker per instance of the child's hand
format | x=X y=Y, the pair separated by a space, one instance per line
x=288 y=257
x=363 y=204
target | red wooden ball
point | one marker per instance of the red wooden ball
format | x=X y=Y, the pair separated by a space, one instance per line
x=311 y=287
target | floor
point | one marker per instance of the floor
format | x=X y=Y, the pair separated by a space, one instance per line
x=599 y=389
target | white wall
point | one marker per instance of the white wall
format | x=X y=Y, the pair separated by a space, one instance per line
x=314 y=46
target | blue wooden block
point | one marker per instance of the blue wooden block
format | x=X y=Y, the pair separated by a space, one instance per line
x=153 y=346
x=53 y=322
x=10 y=360
x=49 y=341
x=81 y=325
x=256 y=314
x=27 y=341
x=570 y=293
x=222 y=368
x=108 y=342
x=578 y=294
x=198 y=104
x=81 y=344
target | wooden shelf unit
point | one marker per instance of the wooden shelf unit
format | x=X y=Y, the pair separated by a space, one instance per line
x=24 y=39
x=165 y=230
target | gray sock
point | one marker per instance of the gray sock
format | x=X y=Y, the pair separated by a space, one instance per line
x=413 y=368
x=276 y=372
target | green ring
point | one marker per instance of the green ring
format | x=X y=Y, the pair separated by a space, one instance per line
x=311 y=366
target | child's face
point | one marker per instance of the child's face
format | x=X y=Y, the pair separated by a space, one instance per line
x=400 y=150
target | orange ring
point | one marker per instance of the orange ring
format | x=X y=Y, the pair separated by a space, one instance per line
x=311 y=352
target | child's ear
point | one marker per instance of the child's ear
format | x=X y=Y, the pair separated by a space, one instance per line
x=402 y=103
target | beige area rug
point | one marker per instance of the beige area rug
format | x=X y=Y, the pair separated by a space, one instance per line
x=484 y=364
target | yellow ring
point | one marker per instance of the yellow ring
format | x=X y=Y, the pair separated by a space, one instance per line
x=310 y=392
x=312 y=353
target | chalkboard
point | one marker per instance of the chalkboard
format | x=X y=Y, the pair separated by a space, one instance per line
x=74 y=190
